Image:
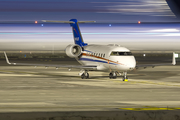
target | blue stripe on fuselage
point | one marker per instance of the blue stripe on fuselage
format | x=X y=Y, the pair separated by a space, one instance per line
x=87 y=59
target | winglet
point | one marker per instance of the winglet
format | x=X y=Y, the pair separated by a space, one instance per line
x=174 y=59
x=8 y=60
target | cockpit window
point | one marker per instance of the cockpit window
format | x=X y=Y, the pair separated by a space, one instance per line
x=115 y=53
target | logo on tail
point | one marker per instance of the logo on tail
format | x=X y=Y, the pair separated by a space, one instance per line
x=77 y=33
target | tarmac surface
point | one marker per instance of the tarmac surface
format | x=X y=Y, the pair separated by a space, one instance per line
x=38 y=89
x=30 y=89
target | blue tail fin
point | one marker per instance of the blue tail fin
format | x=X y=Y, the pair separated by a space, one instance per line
x=77 y=33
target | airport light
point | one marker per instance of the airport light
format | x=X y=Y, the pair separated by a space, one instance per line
x=176 y=55
x=139 y=22
x=36 y=22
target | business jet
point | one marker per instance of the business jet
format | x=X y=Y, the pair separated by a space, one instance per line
x=113 y=58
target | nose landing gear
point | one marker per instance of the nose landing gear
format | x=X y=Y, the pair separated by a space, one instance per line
x=125 y=78
x=113 y=75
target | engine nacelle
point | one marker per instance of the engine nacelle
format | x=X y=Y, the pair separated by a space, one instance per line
x=73 y=50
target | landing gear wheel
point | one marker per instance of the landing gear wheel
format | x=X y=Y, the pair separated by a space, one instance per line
x=85 y=76
x=112 y=75
x=125 y=78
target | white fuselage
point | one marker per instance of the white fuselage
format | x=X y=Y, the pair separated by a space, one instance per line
x=108 y=57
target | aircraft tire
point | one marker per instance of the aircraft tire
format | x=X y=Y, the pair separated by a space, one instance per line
x=83 y=76
x=125 y=78
x=115 y=76
x=86 y=75
x=110 y=75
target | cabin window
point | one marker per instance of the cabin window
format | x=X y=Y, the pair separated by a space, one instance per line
x=102 y=55
x=115 y=53
x=95 y=54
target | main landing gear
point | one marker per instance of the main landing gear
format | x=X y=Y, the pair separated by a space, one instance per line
x=85 y=75
x=113 y=75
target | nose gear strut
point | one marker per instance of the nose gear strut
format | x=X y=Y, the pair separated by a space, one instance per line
x=125 y=78
x=113 y=75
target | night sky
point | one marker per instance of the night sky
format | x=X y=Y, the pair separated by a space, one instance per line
x=109 y=29
x=98 y=10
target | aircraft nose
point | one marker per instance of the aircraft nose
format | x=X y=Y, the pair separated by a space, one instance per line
x=131 y=67
x=131 y=63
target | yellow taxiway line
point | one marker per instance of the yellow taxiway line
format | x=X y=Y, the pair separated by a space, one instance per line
x=149 y=108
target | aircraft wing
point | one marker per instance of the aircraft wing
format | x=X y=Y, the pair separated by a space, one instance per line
x=153 y=65
x=52 y=65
